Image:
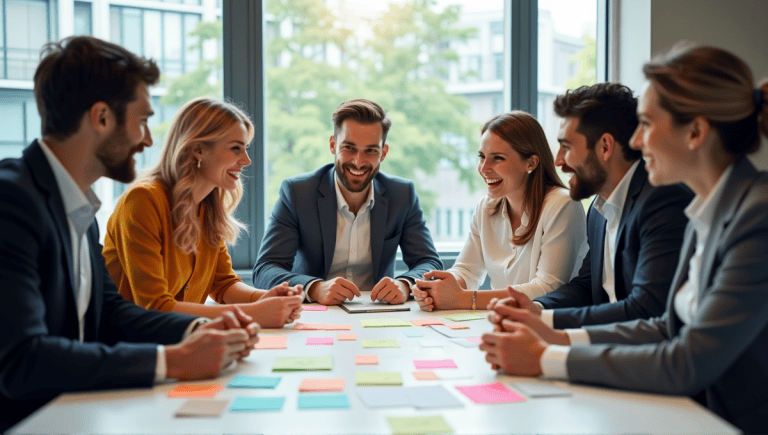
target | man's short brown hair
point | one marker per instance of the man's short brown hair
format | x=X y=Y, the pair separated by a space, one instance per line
x=362 y=111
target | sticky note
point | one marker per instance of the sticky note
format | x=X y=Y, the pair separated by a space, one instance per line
x=434 y=364
x=456 y=326
x=338 y=327
x=319 y=340
x=308 y=326
x=379 y=343
x=315 y=308
x=378 y=378
x=201 y=408
x=317 y=385
x=346 y=337
x=381 y=397
x=447 y=374
x=254 y=382
x=476 y=340
x=380 y=323
x=366 y=359
x=424 y=322
x=272 y=342
x=433 y=396
x=490 y=393
x=428 y=342
x=463 y=342
x=195 y=391
x=463 y=317
x=295 y=363
x=540 y=389
x=425 y=376
x=258 y=404
x=309 y=401
x=422 y=424
x=413 y=333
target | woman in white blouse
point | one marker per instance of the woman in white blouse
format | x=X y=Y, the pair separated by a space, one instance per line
x=526 y=232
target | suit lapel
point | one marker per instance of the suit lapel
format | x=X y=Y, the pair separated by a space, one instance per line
x=92 y=315
x=326 y=204
x=639 y=178
x=597 y=245
x=379 y=214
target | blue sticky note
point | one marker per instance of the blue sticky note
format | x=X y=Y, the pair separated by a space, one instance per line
x=254 y=382
x=413 y=332
x=258 y=404
x=309 y=401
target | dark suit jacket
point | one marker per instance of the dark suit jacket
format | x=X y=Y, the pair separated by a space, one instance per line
x=299 y=243
x=40 y=352
x=647 y=247
x=724 y=350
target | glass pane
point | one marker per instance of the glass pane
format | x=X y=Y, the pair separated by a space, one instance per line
x=12 y=121
x=82 y=18
x=567 y=55
x=32 y=120
x=431 y=66
x=192 y=53
x=30 y=32
x=153 y=46
x=130 y=36
x=172 y=36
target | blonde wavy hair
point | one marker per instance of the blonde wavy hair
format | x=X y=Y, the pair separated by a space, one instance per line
x=199 y=124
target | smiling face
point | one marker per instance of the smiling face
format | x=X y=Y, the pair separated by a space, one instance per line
x=116 y=151
x=662 y=143
x=576 y=158
x=358 y=152
x=504 y=170
x=222 y=163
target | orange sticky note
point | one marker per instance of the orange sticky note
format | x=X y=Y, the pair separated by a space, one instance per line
x=457 y=326
x=309 y=326
x=425 y=376
x=314 y=385
x=346 y=337
x=272 y=342
x=338 y=327
x=195 y=391
x=363 y=360
x=425 y=322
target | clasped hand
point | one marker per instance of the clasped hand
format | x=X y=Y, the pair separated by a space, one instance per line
x=438 y=290
x=337 y=290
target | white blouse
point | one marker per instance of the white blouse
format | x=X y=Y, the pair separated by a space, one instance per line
x=550 y=258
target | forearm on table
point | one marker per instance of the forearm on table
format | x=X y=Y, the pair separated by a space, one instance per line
x=242 y=293
x=200 y=310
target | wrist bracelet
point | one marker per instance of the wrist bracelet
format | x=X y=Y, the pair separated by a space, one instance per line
x=474 y=299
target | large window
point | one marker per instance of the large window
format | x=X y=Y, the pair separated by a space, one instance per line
x=25 y=26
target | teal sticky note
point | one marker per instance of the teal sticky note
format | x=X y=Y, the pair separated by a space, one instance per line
x=254 y=382
x=312 y=401
x=413 y=333
x=258 y=404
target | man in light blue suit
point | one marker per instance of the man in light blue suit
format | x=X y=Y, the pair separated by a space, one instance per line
x=336 y=230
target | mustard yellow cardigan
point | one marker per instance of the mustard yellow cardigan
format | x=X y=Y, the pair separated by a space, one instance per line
x=146 y=265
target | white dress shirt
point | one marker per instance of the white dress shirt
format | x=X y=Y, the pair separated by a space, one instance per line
x=611 y=209
x=701 y=214
x=549 y=259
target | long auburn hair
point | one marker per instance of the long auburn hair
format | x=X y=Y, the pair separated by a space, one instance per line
x=524 y=135
x=200 y=123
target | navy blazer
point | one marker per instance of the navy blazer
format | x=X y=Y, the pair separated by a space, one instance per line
x=41 y=355
x=724 y=350
x=647 y=247
x=300 y=240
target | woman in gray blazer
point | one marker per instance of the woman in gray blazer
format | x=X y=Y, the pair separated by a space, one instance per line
x=699 y=117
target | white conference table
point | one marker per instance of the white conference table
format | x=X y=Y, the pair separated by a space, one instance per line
x=587 y=410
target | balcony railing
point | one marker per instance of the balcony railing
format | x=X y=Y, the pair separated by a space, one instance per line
x=18 y=63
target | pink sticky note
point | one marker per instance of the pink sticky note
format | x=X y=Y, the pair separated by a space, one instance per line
x=477 y=340
x=425 y=322
x=316 y=308
x=366 y=360
x=314 y=385
x=422 y=364
x=272 y=342
x=425 y=376
x=338 y=327
x=320 y=340
x=309 y=326
x=453 y=325
x=195 y=391
x=490 y=393
x=346 y=337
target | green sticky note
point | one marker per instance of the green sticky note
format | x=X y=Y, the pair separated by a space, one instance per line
x=419 y=425
x=378 y=378
x=379 y=323
x=309 y=401
x=258 y=404
x=461 y=317
x=295 y=363
x=379 y=343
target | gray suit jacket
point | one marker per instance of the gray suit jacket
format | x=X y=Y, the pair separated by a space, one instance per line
x=300 y=240
x=724 y=351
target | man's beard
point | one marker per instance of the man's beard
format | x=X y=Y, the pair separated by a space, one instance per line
x=116 y=154
x=342 y=173
x=590 y=178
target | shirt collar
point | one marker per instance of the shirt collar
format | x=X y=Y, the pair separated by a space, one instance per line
x=523 y=219
x=341 y=203
x=612 y=207
x=701 y=211
x=80 y=207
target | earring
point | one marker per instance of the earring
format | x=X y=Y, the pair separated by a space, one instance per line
x=198 y=164
x=530 y=170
